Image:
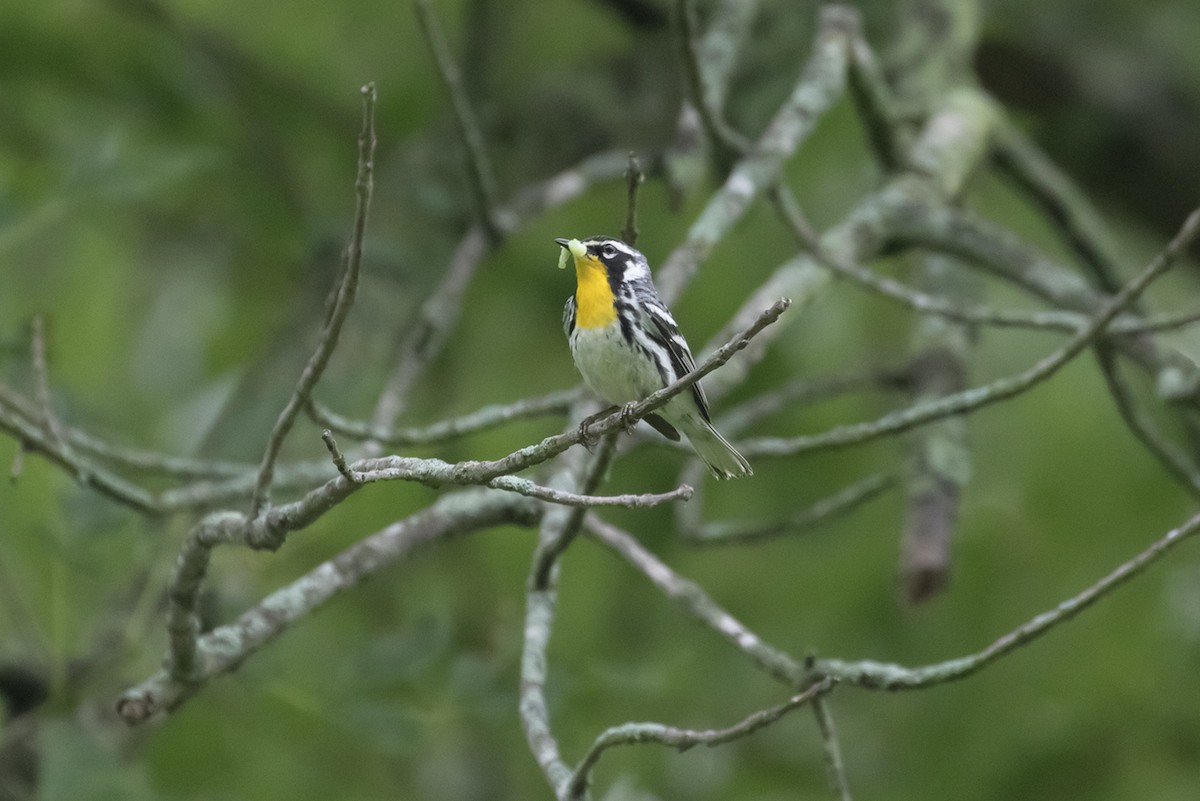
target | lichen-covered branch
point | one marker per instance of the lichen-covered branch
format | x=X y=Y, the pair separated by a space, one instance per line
x=696 y=602
x=559 y=526
x=835 y=766
x=224 y=648
x=887 y=676
x=1001 y=389
x=683 y=739
x=820 y=85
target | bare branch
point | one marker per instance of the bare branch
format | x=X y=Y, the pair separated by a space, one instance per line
x=727 y=143
x=339 y=459
x=885 y=676
x=534 y=712
x=1177 y=463
x=225 y=648
x=740 y=532
x=633 y=181
x=1001 y=389
x=834 y=765
x=819 y=86
x=483 y=182
x=341 y=308
x=683 y=739
x=33 y=438
x=41 y=383
x=126 y=457
x=558 y=529
x=523 y=486
x=696 y=602
x=1076 y=219
x=877 y=106
x=488 y=417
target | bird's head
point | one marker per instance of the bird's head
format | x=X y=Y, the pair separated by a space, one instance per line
x=603 y=256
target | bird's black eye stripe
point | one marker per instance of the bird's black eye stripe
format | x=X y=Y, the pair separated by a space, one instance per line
x=604 y=250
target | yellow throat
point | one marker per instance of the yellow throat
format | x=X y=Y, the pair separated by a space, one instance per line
x=593 y=296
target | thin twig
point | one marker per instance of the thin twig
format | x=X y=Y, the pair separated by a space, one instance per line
x=810 y=389
x=333 y=326
x=1050 y=320
x=877 y=106
x=742 y=532
x=1075 y=218
x=339 y=459
x=1176 y=462
x=488 y=417
x=958 y=232
x=696 y=602
x=633 y=181
x=835 y=766
x=918 y=301
x=682 y=739
x=41 y=383
x=560 y=529
x=938 y=460
x=888 y=676
x=426 y=335
x=1001 y=389
x=31 y=435
x=727 y=143
x=523 y=486
x=1152 y=324
x=126 y=457
x=483 y=182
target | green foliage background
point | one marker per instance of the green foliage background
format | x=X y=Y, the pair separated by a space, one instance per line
x=175 y=182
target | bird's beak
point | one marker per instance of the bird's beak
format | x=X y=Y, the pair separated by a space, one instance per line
x=572 y=246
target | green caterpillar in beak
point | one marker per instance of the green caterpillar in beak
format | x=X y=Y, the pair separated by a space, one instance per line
x=570 y=247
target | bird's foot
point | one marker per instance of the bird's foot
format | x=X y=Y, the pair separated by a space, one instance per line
x=585 y=435
x=628 y=421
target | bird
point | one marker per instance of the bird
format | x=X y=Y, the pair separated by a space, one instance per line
x=626 y=345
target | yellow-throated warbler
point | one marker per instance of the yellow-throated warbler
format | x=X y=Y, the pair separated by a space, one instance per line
x=627 y=345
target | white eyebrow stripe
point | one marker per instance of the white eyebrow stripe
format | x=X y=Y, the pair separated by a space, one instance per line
x=616 y=244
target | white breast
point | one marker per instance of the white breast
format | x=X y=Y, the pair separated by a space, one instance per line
x=611 y=367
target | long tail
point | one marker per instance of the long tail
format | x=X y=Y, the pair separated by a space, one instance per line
x=713 y=449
